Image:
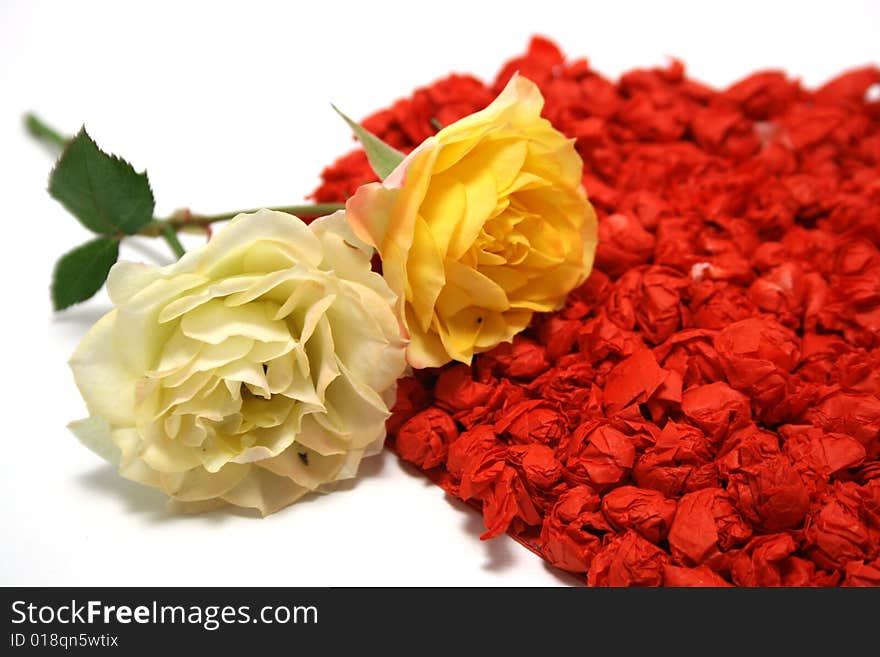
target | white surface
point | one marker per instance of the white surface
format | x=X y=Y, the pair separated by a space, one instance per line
x=228 y=108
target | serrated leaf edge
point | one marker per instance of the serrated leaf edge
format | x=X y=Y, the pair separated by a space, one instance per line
x=83 y=133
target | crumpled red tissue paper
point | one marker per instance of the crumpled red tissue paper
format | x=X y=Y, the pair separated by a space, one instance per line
x=705 y=409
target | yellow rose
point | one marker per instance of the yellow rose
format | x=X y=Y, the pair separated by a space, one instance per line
x=258 y=368
x=482 y=225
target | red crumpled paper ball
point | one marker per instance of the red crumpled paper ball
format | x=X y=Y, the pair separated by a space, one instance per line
x=539 y=64
x=762 y=95
x=532 y=421
x=649 y=298
x=747 y=446
x=476 y=459
x=706 y=525
x=520 y=359
x=818 y=455
x=456 y=389
x=571 y=386
x=679 y=461
x=505 y=501
x=343 y=177
x=820 y=356
x=409 y=121
x=425 y=438
x=598 y=455
x=558 y=335
x=502 y=394
x=647 y=512
x=854 y=414
x=859 y=573
x=539 y=464
x=838 y=530
x=724 y=129
x=623 y=244
x=859 y=371
x=757 y=355
x=600 y=340
x=770 y=494
x=628 y=560
x=691 y=354
x=716 y=408
x=716 y=304
x=769 y=560
x=572 y=530
x=411 y=398
x=782 y=291
x=639 y=379
x=588 y=298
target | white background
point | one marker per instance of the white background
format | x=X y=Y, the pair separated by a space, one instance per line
x=227 y=106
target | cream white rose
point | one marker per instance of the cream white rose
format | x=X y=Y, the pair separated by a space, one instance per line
x=256 y=369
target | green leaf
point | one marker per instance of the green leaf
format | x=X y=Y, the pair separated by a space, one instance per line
x=103 y=191
x=383 y=158
x=81 y=272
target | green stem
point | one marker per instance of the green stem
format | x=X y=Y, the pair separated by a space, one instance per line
x=40 y=130
x=170 y=235
x=182 y=219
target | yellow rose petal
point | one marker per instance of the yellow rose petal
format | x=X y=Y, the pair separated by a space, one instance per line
x=500 y=196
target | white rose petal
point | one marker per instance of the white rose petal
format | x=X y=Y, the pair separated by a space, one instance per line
x=251 y=372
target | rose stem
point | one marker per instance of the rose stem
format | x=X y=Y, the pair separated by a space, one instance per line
x=40 y=130
x=170 y=236
x=181 y=219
